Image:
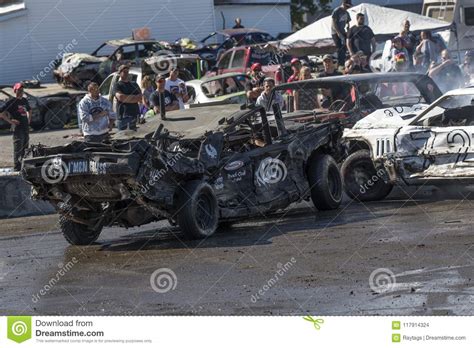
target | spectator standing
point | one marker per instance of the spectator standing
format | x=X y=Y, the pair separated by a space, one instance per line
x=305 y=98
x=409 y=40
x=397 y=48
x=254 y=87
x=17 y=112
x=264 y=98
x=177 y=87
x=329 y=67
x=128 y=97
x=170 y=100
x=468 y=67
x=96 y=114
x=428 y=49
x=296 y=68
x=361 y=38
x=447 y=75
x=147 y=89
x=339 y=28
x=238 y=24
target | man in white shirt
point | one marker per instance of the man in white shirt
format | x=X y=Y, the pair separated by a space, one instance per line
x=264 y=98
x=177 y=87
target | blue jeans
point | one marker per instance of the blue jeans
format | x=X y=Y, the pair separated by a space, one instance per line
x=127 y=122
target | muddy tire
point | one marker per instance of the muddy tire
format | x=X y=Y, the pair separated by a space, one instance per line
x=198 y=211
x=325 y=182
x=362 y=182
x=78 y=234
x=56 y=116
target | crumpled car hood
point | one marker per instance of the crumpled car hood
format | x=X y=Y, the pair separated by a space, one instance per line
x=390 y=117
x=73 y=60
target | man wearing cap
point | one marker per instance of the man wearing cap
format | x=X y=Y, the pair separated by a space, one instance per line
x=19 y=112
x=255 y=86
x=339 y=28
x=329 y=67
x=170 y=100
x=296 y=68
x=96 y=115
x=361 y=38
x=128 y=95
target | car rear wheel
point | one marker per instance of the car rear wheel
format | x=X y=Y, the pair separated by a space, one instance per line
x=325 y=182
x=198 y=212
x=78 y=234
x=56 y=116
x=362 y=181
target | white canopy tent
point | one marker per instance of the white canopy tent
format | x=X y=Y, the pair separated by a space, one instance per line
x=385 y=22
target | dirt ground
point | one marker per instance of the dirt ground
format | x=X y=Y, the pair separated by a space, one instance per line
x=401 y=256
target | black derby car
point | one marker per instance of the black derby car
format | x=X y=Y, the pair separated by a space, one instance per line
x=196 y=168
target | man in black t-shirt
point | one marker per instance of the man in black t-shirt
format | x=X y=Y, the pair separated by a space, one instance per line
x=128 y=95
x=361 y=38
x=339 y=27
x=170 y=100
x=19 y=112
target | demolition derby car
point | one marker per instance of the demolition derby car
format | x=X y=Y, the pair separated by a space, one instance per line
x=414 y=146
x=350 y=98
x=197 y=168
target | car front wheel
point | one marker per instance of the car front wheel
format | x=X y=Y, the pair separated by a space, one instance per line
x=362 y=181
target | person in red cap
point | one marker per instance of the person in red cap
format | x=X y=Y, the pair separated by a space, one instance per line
x=296 y=68
x=17 y=112
x=255 y=86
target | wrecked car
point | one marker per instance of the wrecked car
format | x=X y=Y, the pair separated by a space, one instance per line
x=212 y=46
x=48 y=111
x=197 y=168
x=413 y=146
x=350 y=98
x=78 y=69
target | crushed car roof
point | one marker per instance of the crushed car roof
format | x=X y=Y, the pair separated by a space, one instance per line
x=128 y=41
x=188 y=123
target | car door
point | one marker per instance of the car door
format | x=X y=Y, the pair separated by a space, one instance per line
x=437 y=149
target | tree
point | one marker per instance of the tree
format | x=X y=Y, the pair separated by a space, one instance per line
x=301 y=7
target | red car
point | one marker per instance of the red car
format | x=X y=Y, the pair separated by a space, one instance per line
x=240 y=59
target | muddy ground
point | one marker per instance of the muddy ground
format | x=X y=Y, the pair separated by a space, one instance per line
x=295 y=262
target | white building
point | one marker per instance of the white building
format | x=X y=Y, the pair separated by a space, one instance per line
x=34 y=32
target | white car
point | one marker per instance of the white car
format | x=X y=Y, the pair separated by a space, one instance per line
x=220 y=89
x=418 y=145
